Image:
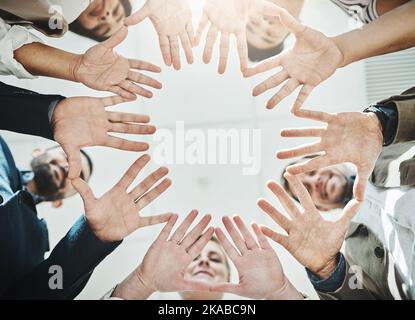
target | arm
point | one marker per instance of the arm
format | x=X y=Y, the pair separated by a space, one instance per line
x=392 y=32
x=77 y=254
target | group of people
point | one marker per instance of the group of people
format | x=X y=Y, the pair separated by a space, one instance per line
x=378 y=262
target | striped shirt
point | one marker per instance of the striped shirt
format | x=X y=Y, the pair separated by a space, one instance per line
x=364 y=10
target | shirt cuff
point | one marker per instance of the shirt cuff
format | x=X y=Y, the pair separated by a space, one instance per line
x=11 y=39
x=332 y=283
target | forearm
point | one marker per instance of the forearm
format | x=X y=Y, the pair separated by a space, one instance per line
x=42 y=60
x=132 y=288
x=392 y=32
x=287 y=292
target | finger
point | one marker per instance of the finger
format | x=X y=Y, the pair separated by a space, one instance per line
x=133 y=88
x=302 y=132
x=263 y=67
x=132 y=172
x=284 y=198
x=303 y=150
x=210 y=43
x=143 y=79
x=153 y=220
x=74 y=161
x=112 y=101
x=249 y=239
x=302 y=97
x=187 y=47
x=122 y=144
x=242 y=47
x=191 y=33
x=202 y=26
x=301 y=192
x=148 y=182
x=284 y=92
x=313 y=115
x=84 y=190
x=195 y=250
x=349 y=212
x=116 y=38
x=277 y=237
x=291 y=23
x=262 y=239
x=128 y=128
x=189 y=285
x=268 y=9
x=175 y=52
x=165 y=232
x=196 y=232
x=226 y=287
x=179 y=234
x=165 y=50
x=143 y=65
x=127 y=117
x=310 y=165
x=153 y=194
x=270 y=83
x=359 y=187
x=122 y=93
x=236 y=237
x=138 y=16
x=224 y=52
x=227 y=245
x=275 y=215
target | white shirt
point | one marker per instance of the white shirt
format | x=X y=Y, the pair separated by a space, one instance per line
x=390 y=214
x=14 y=37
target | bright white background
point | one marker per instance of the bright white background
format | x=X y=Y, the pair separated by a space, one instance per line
x=203 y=99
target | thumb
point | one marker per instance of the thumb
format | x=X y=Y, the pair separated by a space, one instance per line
x=116 y=38
x=360 y=183
x=74 y=161
x=349 y=212
x=83 y=189
x=225 y=287
x=138 y=16
x=291 y=23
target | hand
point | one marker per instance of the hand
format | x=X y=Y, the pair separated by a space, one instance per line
x=83 y=121
x=361 y=144
x=100 y=68
x=260 y=272
x=313 y=59
x=117 y=213
x=172 y=20
x=165 y=263
x=313 y=241
x=230 y=17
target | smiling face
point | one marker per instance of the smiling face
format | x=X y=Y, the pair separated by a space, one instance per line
x=50 y=170
x=103 y=18
x=328 y=187
x=210 y=266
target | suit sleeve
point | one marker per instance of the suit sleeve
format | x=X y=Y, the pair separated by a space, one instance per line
x=67 y=270
x=25 y=111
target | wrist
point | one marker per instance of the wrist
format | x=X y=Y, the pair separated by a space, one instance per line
x=326 y=271
x=286 y=292
x=339 y=42
x=134 y=287
x=74 y=68
x=375 y=126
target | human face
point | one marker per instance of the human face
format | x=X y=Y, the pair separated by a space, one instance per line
x=103 y=17
x=265 y=33
x=327 y=187
x=210 y=266
x=50 y=169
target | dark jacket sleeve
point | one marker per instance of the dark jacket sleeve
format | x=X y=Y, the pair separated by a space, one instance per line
x=25 y=111
x=74 y=258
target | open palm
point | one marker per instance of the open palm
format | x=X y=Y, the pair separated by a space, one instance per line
x=116 y=214
x=313 y=241
x=172 y=20
x=313 y=59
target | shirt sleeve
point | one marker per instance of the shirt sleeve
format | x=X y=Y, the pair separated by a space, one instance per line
x=11 y=39
x=332 y=283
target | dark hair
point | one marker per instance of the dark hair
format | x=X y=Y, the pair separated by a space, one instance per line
x=90 y=163
x=257 y=55
x=77 y=28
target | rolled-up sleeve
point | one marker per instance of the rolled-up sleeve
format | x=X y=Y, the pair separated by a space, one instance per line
x=11 y=39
